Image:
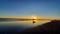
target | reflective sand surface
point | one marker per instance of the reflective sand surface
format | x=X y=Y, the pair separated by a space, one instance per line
x=15 y=26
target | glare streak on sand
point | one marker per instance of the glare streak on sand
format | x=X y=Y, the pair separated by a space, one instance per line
x=23 y=23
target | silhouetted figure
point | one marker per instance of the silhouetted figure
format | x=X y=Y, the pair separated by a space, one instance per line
x=33 y=21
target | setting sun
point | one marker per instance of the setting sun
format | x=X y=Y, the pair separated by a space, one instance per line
x=34 y=17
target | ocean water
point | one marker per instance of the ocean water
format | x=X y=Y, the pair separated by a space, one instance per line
x=17 y=26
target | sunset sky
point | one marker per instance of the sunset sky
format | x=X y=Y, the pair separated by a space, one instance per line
x=41 y=8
